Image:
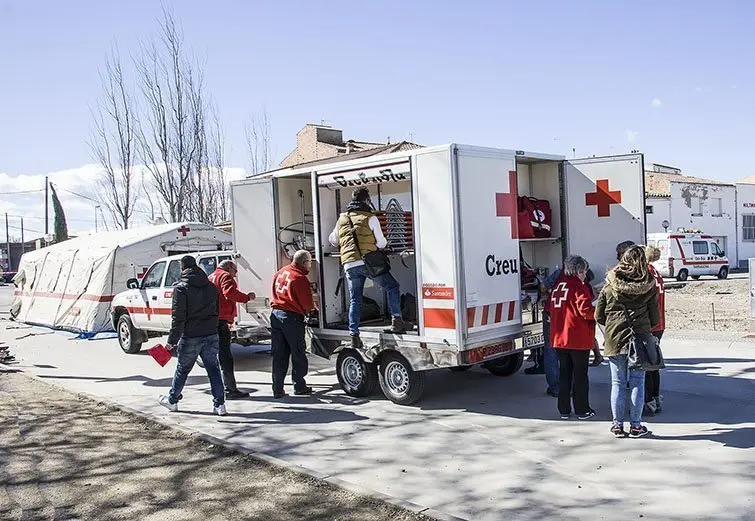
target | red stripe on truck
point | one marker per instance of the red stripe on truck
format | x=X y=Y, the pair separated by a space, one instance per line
x=440 y=318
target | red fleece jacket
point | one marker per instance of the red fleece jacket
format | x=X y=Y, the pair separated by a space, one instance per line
x=228 y=294
x=572 y=314
x=291 y=290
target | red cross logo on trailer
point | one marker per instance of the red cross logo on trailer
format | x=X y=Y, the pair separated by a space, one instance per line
x=559 y=294
x=183 y=230
x=506 y=205
x=603 y=197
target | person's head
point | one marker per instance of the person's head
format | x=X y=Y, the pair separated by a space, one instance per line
x=622 y=247
x=576 y=266
x=361 y=195
x=187 y=261
x=303 y=259
x=652 y=253
x=229 y=266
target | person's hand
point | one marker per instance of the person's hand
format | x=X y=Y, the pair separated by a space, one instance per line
x=252 y=295
x=169 y=347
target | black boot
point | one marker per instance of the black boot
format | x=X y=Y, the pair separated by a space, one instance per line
x=399 y=326
x=356 y=342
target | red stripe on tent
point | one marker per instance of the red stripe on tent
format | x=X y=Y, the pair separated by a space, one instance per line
x=440 y=318
x=66 y=296
x=485 y=310
x=511 y=310
x=498 y=312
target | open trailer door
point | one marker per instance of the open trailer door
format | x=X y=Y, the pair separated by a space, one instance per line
x=605 y=205
x=255 y=244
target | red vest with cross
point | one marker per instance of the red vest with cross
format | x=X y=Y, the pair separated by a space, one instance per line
x=572 y=314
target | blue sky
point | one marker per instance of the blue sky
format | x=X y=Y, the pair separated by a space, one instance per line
x=541 y=75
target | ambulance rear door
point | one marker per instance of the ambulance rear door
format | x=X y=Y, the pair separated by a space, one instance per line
x=486 y=181
x=255 y=245
x=604 y=205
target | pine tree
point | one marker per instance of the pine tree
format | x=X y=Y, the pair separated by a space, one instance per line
x=60 y=228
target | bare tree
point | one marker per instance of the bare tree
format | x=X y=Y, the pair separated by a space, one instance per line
x=168 y=145
x=113 y=142
x=259 y=142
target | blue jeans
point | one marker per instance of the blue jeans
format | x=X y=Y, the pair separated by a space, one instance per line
x=550 y=357
x=619 y=375
x=189 y=349
x=356 y=277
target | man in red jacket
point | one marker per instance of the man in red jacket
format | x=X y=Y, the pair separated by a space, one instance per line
x=572 y=334
x=653 y=398
x=292 y=301
x=224 y=278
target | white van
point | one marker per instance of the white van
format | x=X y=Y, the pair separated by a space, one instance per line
x=686 y=255
x=144 y=309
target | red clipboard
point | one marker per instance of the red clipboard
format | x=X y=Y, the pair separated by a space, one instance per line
x=160 y=354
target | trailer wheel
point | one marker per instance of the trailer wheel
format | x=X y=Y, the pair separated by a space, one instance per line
x=505 y=366
x=356 y=377
x=460 y=368
x=400 y=383
x=128 y=336
x=682 y=275
x=723 y=273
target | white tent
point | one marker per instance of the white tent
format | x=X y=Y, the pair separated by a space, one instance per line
x=70 y=285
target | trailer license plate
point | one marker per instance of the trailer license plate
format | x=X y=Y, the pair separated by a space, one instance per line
x=534 y=340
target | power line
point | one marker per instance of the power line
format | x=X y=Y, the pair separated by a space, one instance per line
x=76 y=194
x=23 y=192
x=42 y=218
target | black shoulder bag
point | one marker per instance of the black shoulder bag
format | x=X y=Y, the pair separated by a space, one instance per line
x=376 y=262
x=644 y=350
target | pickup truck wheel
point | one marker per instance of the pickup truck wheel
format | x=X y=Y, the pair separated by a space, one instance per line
x=505 y=366
x=356 y=377
x=129 y=338
x=682 y=275
x=400 y=383
x=723 y=273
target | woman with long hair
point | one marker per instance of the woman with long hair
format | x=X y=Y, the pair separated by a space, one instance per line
x=629 y=291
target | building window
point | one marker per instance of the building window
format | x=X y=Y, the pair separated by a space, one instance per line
x=648 y=208
x=696 y=206
x=716 y=210
x=700 y=247
x=748 y=228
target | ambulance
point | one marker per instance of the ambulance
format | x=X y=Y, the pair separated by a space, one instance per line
x=450 y=214
x=687 y=254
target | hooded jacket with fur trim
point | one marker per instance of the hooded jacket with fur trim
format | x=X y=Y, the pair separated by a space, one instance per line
x=639 y=297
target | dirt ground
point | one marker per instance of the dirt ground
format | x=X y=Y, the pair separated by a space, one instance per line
x=692 y=306
x=63 y=457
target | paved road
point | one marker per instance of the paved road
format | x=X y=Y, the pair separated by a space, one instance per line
x=478 y=447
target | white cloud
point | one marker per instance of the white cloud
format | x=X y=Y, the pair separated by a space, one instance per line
x=80 y=212
x=698 y=89
x=656 y=103
x=631 y=135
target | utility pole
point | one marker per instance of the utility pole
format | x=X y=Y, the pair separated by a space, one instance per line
x=23 y=244
x=47 y=205
x=95 y=219
x=7 y=241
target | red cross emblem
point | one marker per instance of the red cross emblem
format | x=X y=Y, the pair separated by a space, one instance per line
x=505 y=205
x=283 y=282
x=142 y=274
x=559 y=294
x=603 y=198
x=183 y=230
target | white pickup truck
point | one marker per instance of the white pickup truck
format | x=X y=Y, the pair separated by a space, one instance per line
x=143 y=311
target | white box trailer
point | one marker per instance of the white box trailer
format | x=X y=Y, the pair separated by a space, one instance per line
x=458 y=252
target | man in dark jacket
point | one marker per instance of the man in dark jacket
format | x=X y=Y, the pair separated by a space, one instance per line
x=224 y=278
x=194 y=328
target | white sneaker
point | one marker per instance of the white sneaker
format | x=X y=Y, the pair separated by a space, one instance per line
x=165 y=402
x=220 y=410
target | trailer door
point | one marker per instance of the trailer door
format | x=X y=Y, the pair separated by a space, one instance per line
x=489 y=238
x=255 y=244
x=605 y=205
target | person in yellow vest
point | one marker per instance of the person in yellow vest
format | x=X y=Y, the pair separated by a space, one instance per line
x=360 y=214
